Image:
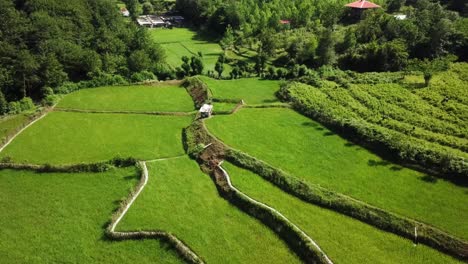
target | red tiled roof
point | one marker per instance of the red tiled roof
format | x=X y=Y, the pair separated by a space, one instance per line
x=362 y=4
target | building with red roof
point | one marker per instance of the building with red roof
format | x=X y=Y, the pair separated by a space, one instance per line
x=362 y=4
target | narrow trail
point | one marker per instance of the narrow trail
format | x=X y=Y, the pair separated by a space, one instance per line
x=26 y=126
x=273 y=210
x=182 y=249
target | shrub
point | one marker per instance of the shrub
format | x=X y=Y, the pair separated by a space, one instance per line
x=143 y=76
x=26 y=104
x=14 y=108
x=50 y=100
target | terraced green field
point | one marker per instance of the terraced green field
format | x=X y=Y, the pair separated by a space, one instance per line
x=60 y=218
x=62 y=138
x=304 y=148
x=182 y=200
x=178 y=42
x=161 y=98
x=344 y=239
x=251 y=90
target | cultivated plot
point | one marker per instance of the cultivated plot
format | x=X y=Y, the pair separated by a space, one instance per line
x=344 y=239
x=251 y=90
x=307 y=150
x=180 y=199
x=62 y=138
x=161 y=98
x=180 y=42
x=60 y=218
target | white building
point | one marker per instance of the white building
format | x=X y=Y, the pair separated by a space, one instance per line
x=206 y=110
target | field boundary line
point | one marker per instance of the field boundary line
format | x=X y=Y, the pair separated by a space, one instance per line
x=90 y=111
x=169 y=158
x=184 y=251
x=377 y=217
x=34 y=120
x=274 y=211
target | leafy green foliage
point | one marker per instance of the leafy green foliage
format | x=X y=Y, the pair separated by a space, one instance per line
x=46 y=43
x=434 y=140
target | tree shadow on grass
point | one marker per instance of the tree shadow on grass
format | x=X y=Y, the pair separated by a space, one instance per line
x=329 y=133
x=396 y=168
x=314 y=125
x=375 y=163
x=429 y=179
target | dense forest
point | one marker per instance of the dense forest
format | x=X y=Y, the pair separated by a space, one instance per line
x=326 y=33
x=45 y=43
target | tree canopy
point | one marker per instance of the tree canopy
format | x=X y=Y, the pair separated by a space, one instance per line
x=46 y=43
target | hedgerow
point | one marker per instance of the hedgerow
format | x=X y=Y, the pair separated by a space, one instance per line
x=383 y=127
x=198 y=90
x=118 y=162
x=346 y=205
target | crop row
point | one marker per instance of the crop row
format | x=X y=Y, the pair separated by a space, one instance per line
x=343 y=97
x=395 y=94
x=400 y=114
x=409 y=150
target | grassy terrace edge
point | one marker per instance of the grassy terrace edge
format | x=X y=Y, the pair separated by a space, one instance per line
x=181 y=248
x=209 y=153
x=197 y=136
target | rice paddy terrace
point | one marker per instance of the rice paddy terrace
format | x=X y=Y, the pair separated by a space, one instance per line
x=130 y=174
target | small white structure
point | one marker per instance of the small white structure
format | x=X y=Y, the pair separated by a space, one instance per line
x=124 y=12
x=206 y=110
x=144 y=22
x=400 y=17
x=156 y=21
x=151 y=21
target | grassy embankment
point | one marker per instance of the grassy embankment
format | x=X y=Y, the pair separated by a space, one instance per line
x=309 y=151
x=9 y=124
x=180 y=199
x=344 y=239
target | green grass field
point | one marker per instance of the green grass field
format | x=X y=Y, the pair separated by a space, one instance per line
x=9 y=124
x=251 y=90
x=344 y=239
x=298 y=145
x=62 y=138
x=178 y=42
x=162 y=98
x=60 y=218
x=179 y=198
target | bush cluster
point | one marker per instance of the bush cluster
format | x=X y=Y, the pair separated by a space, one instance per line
x=103 y=79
